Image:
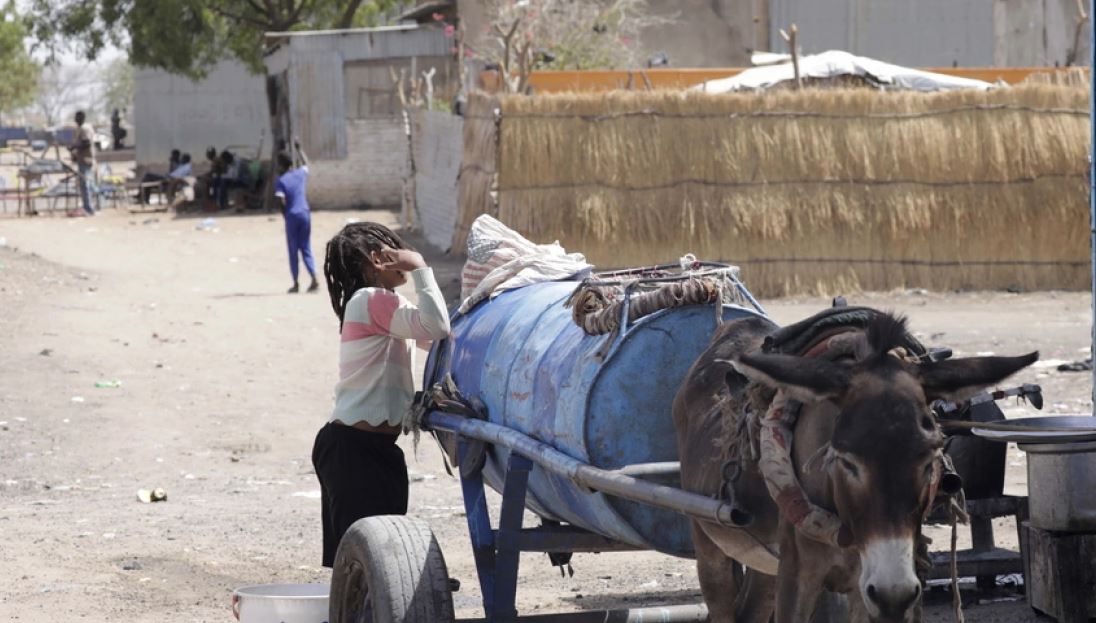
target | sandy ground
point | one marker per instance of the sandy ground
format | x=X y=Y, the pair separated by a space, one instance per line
x=224 y=381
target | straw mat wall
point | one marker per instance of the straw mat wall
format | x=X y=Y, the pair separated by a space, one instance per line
x=817 y=191
x=476 y=180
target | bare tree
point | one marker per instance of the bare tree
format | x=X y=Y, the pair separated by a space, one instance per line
x=59 y=92
x=561 y=34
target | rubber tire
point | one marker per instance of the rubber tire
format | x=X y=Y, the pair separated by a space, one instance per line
x=391 y=567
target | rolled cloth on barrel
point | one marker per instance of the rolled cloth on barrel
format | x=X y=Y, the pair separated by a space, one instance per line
x=597 y=309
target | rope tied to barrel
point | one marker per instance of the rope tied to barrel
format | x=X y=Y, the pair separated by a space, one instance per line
x=597 y=306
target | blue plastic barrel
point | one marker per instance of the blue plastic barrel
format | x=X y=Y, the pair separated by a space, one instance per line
x=538 y=373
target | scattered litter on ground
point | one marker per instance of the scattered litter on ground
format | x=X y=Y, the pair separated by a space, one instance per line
x=3 y=242
x=149 y=221
x=1076 y=366
x=314 y=495
x=149 y=496
x=233 y=260
x=131 y=565
x=46 y=352
x=207 y=224
x=651 y=584
x=111 y=383
x=416 y=477
x=77 y=398
x=351 y=221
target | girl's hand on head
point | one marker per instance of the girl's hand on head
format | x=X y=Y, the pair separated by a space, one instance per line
x=397 y=259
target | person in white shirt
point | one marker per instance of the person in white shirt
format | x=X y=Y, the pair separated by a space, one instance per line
x=83 y=154
x=180 y=177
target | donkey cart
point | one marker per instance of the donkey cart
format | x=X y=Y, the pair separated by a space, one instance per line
x=559 y=398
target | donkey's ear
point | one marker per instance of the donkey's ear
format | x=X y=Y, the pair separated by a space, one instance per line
x=958 y=379
x=805 y=380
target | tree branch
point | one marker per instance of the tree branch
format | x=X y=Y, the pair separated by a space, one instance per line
x=347 y=18
x=241 y=18
x=259 y=9
x=295 y=14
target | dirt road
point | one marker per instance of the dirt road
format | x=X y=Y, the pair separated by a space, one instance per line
x=224 y=380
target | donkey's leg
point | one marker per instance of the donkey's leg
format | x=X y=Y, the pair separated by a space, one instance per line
x=798 y=585
x=716 y=573
x=755 y=598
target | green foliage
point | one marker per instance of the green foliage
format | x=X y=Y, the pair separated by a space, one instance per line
x=118 y=86
x=19 y=71
x=187 y=36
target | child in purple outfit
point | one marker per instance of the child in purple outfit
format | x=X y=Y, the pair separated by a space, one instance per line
x=291 y=189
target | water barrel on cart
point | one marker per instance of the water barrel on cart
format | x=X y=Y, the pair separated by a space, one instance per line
x=608 y=405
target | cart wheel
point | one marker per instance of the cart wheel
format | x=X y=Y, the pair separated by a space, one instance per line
x=389 y=569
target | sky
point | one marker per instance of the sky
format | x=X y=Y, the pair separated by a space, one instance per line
x=88 y=82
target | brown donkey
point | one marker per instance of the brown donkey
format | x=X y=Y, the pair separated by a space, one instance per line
x=866 y=448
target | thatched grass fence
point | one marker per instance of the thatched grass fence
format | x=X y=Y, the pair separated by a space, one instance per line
x=816 y=191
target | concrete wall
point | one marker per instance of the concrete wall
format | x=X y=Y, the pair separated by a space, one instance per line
x=226 y=109
x=918 y=33
x=371 y=174
x=936 y=33
x=437 y=145
x=702 y=33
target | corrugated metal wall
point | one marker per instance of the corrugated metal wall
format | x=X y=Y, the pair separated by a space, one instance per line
x=322 y=67
x=226 y=109
x=316 y=103
x=935 y=33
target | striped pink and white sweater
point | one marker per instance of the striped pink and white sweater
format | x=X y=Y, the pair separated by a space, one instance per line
x=375 y=357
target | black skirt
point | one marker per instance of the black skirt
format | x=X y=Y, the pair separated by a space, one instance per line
x=361 y=474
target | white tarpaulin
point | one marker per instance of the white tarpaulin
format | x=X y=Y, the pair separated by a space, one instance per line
x=837 y=63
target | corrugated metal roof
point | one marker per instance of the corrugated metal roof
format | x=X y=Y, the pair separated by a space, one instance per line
x=427 y=8
x=360 y=44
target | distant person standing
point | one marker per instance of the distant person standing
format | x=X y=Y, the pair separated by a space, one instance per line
x=83 y=153
x=291 y=189
x=116 y=129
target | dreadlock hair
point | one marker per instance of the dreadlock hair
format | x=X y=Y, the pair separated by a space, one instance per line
x=347 y=254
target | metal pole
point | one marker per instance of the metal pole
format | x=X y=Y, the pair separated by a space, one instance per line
x=612 y=483
x=1092 y=181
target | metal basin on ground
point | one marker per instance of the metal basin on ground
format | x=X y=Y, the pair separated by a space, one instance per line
x=1061 y=469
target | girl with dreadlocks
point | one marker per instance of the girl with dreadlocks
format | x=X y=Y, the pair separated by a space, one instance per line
x=361 y=469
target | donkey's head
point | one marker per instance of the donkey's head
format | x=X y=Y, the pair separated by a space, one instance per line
x=886 y=447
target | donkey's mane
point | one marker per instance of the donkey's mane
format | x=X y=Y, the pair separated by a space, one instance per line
x=886 y=331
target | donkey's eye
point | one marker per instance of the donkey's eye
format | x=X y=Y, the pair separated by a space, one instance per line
x=850 y=467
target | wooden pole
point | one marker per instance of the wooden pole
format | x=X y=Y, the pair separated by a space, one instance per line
x=794 y=49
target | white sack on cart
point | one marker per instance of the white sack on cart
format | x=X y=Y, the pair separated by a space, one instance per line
x=501 y=259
